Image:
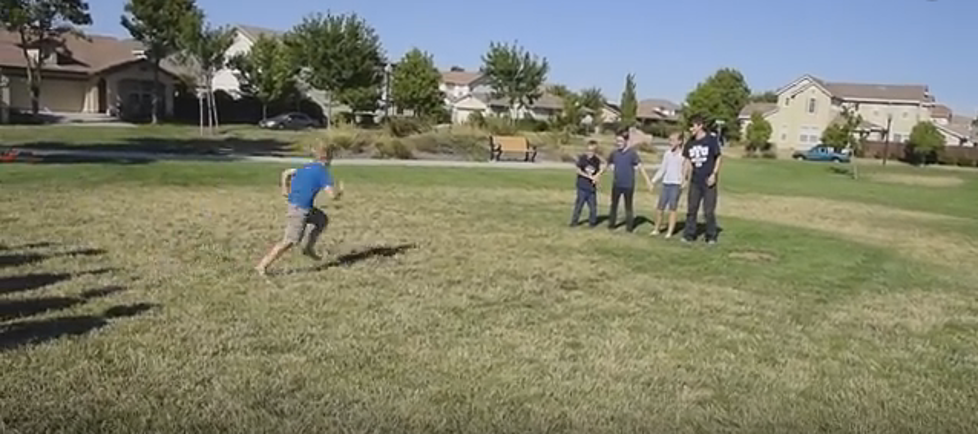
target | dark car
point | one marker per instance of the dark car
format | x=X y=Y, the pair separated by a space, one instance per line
x=289 y=121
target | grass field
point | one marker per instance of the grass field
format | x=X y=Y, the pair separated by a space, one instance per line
x=459 y=301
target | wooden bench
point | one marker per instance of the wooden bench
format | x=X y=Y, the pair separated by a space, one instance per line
x=514 y=144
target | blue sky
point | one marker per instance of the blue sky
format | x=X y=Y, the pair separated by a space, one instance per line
x=669 y=44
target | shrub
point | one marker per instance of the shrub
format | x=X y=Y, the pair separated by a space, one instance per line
x=477 y=120
x=770 y=154
x=395 y=148
x=500 y=126
x=469 y=145
x=402 y=126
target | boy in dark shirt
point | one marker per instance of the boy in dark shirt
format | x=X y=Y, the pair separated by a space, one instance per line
x=626 y=161
x=703 y=164
x=588 y=168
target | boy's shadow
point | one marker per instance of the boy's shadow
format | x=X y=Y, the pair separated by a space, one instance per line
x=361 y=255
x=700 y=228
x=638 y=221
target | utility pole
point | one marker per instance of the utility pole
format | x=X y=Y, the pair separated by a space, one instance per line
x=886 y=145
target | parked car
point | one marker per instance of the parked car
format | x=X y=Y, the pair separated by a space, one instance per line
x=822 y=153
x=289 y=121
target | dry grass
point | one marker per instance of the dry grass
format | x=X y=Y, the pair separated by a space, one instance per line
x=918 y=180
x=909 y=232
x=451 y=308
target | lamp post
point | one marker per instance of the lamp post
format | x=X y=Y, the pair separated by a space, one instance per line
x=388 y=72
x=720 y=123
x=886 y=144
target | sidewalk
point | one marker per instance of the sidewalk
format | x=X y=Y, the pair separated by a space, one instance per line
x=125 y=155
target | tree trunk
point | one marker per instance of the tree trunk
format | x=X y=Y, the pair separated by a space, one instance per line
x=200 y=105
x=217 y=119
x=264 y=110
x=156 y=89
x=213 y=113
x=35 y=96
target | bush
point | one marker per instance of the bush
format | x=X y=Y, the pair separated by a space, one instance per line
x=769 y=154
x=500 y=126
x=393 y=148
x=469 y=145
x=401 y=126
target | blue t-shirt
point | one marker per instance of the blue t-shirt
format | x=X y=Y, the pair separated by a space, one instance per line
x=307 y=182
x=624 y=161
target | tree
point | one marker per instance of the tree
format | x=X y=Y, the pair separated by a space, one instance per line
x=559 y=90
x=629 y=102
x=593 y=100
x=159 y=25
x=768 y=97
x=514 y=75
x=925 y=141
x=341 y=55
x=845 y=135
x=266 y=72
x=758 y=133
x=42 y=26
x=204 y=48
x=414 y=85
x=836 y=136
x=720 y=98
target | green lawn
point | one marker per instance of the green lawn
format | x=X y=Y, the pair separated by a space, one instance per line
x=458 y=301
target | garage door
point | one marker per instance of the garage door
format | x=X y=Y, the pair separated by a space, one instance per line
x=63 y=95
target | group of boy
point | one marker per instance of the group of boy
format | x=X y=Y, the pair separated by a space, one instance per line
x=694 y=165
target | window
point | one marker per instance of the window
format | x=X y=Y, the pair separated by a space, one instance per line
x=876 y=112
x=897 y=137
x=905 y=114
x=811 y=105
x=786 y=100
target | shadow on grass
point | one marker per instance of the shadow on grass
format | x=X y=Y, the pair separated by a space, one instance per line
x=700 y=229
x=142 y=149
x=16 y=309
x=363 y=255
x=31 y=258
x=28 y=282
x=25 y=333
x=27 y=246
x=637 y=222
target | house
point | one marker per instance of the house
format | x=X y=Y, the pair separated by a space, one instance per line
x=808 y=105
x=544 y=108
x=245 y=37
x=957 y=130
x=458 y=83
x=228 y=80
x=657 y=110
x=95 y=75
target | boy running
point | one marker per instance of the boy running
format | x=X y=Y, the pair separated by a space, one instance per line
x=588 y=167
x=301 y=186
x=672 y=173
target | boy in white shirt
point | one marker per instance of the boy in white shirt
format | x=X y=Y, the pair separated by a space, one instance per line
x=671 y=172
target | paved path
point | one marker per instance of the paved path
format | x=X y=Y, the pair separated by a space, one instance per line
x=131 y=155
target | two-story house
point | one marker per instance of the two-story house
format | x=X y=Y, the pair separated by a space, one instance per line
x=808 y=105
x=458 y=83
x=657 y=110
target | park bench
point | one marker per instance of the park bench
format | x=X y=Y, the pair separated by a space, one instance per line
x=513 y=144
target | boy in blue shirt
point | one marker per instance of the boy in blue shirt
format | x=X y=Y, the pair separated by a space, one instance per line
x=301 y=186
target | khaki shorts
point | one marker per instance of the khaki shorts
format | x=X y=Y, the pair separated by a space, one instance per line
x=297 y=219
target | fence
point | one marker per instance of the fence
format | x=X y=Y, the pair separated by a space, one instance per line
x=951 y=155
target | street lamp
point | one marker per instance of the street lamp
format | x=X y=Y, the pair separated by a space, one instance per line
x=886 y=144
x=720 y=123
